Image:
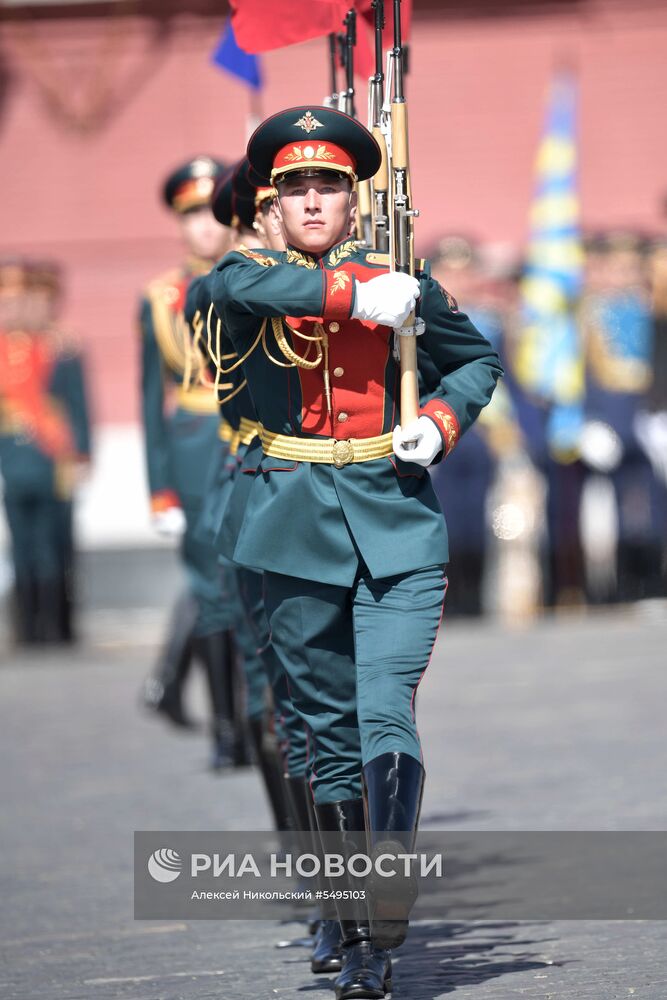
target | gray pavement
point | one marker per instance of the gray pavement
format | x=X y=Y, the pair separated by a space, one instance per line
x=558 y=726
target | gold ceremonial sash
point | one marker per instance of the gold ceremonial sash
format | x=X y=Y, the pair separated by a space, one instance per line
x=197 y=399
x=326 y=450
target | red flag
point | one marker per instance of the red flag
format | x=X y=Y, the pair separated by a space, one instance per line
x=260 y=27
x=364 y=54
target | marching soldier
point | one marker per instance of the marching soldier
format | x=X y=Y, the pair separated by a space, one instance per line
x=181 y=431
x=244 y=202
x=463 y=483
x=618 y=333
x=44 y=447
x=236 y=203
x=341 y=515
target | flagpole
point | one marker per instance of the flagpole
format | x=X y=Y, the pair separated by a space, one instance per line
x=255 y=114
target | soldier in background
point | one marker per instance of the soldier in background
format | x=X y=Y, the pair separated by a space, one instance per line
x=617 y=330
x=181 y=426
x=463 y=483
x=651 y=423
x=44 y=445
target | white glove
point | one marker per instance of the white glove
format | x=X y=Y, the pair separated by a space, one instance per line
x=651 y=432
x=169 y=523
x=426 y=438
x=388 y=299
x=600 y=446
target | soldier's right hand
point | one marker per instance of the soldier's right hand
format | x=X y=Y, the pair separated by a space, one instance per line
x=388 y=299
x=169 y=523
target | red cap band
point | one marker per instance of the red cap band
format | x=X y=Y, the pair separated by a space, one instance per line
x=194 y=192
x=312 y=155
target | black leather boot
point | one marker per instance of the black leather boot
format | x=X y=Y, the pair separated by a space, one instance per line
x=235 y=681
x=26 y=625
x=168 y=699
x=300 y=802
x=163 y=692
x=66 y=606
x=298 y=794
x=393 y=784
x=326 y=954
x=214 y=652
x=366 y=969
x=271 y=765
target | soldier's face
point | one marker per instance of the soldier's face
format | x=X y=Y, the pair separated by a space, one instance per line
x=12 y=308
x=40 y=309
x=315 y=212
x=204 y=236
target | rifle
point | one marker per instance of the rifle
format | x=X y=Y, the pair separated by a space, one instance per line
x=332 y=99
x=380 y=182
x=350 y=25
x=349 y=40
x=401 y=213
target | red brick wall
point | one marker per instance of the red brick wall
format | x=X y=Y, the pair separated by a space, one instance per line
x=476 y=100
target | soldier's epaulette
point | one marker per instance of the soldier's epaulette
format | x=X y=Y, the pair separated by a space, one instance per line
x=384 y=259
x=259 y=258
x=165 y=286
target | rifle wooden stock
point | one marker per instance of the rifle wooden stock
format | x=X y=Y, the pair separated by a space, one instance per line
x=381 y=179
x=364 y=211
x=404 y=250
x=409 y=380
x=399 y=135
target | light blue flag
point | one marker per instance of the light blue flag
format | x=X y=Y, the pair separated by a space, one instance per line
x=550 y=361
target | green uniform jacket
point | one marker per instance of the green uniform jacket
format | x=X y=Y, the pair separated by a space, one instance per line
x=179 y=444
x=312 y=520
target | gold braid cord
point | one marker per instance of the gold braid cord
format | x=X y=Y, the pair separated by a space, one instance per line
x=295 y=360
x=216 y=352
x=172 y=333
x=228 y=385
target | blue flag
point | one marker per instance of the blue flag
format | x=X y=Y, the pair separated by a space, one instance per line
x=230 y=57
x=550 y=362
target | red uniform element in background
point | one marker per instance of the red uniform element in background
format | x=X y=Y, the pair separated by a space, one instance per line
x=26 y=363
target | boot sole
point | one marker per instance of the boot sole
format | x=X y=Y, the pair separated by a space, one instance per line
x=364 y=994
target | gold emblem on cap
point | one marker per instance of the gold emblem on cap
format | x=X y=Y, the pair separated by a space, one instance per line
x=203 y=166
x=204 y=187
x=308 y=153
x=308 y=122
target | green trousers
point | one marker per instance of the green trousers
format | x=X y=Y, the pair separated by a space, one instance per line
x=40 y=528
x=209 y=584
x=354 y=657
x=290 y=730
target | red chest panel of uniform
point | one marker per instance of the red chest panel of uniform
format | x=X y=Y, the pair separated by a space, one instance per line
x=358 y=356
x=181 y=286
